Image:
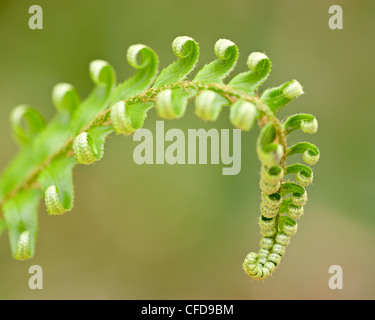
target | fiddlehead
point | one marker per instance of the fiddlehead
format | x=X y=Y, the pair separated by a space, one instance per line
x=84 y=149
x=171 y=103
x=53 y=203
x=80 y=128
x=278 y=211
x=306 y=122
x=145 y=61
x=270 y=153
x=226 y=52
x=56 y=181
x=304 y=174
x=186 y=50
x=276 y=98
x=65 y=97
x=22 y=251
x=243 y=114
x=209 y=103
x=260 y=68
x=310 y=152
x=34 y=120
x=21 y=217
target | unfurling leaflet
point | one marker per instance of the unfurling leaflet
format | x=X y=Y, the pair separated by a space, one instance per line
x=49 y=152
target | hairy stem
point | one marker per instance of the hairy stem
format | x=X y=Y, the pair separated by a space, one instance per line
x=150 y=95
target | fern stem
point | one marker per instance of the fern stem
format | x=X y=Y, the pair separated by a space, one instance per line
x=149 y=95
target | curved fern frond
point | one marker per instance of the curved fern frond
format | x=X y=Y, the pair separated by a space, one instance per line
x=214 y=72
x=260 y=68
x=187 y=52
x=26 y=122
x=143 y=59
x=76 y=135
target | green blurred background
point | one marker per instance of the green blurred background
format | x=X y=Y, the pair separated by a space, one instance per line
x=181 y=232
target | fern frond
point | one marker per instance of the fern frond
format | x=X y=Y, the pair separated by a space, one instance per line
x=76 y=135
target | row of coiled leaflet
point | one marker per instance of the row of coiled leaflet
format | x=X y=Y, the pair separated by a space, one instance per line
x=282 y=201
x=276 y=228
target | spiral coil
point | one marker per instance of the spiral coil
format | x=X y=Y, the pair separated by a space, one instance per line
x=81 y=128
